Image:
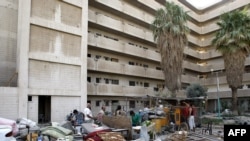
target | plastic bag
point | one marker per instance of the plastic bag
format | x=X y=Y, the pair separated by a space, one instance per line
x=144 y=133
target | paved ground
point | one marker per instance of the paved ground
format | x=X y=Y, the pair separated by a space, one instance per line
x=217 y=135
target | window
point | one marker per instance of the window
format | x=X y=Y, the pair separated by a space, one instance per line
x=89 y=55
x=97 y=103
x=115 y=82
x=89 y=79
x=131 y=44
x=114 y=60
x=146 y=84
x=29 y=98
x=106 y=58
x=131 y=63
x=98 y=34
x=156 y=89
x=131 y=83
x=145 y=66
x=131 y=104
x=98 y=56
x=158 y=68
x=97 y=80
x=110 y=37
x=107 y=81
x=107 y=103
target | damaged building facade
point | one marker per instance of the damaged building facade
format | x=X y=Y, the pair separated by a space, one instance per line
x=57 y=55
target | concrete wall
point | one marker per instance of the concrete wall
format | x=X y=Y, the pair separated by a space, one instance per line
x=57 y=11
x=8 y=40
x=63 y=105
x=48 y=50
x=48 y=75
x=33 y=109
x=53 y=43
x=9 y=103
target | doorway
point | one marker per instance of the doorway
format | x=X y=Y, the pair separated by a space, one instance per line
x=44 y=109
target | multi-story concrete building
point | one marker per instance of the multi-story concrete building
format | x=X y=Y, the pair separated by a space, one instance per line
x=58 y=54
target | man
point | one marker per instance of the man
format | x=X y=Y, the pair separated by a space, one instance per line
x=78 y=117
x=101 y=113
x=186 y=111
x=88 y=114
x=135 y=117
x=191 y=118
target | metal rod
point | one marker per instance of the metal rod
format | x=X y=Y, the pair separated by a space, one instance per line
x=218 y=98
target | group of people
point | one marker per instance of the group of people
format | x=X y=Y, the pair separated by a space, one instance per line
x=86 y=116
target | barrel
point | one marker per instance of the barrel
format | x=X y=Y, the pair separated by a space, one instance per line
x=177 y=116
x=157 y=122
x=163 y=121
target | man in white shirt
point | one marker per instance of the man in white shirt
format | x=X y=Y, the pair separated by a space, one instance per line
x=101 y=113
x=88 y=114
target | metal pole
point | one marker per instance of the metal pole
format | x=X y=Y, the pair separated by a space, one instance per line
x=218 y=104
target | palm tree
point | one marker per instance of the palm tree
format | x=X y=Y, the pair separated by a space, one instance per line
x=233 y=41
x=169 y=30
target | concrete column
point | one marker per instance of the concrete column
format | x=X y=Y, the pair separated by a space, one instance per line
x=23 y=32
x=84 y=52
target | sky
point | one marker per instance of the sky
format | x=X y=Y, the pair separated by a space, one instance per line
x=202 y=4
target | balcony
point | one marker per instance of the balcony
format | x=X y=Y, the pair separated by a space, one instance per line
x=117 y=68
x=120 y=26
x=118 y=90
x=120 y=47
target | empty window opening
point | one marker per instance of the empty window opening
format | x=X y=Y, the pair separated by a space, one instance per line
x=131 y=83
x=89 y=79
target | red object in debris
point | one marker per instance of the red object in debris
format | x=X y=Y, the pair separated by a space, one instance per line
x=94 y=135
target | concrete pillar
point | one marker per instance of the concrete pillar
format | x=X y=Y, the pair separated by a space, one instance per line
x=84 y=52
x=23 y=32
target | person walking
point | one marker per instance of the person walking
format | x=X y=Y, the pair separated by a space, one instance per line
x=185 y=111
x=88 y=114
x=191 y=121
x=101 y=113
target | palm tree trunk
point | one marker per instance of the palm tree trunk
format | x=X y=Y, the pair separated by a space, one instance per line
x=234 y=101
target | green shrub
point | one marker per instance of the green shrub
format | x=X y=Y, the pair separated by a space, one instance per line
x=215 y=121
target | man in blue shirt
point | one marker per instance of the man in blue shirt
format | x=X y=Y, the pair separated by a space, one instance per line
x=79 y=117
